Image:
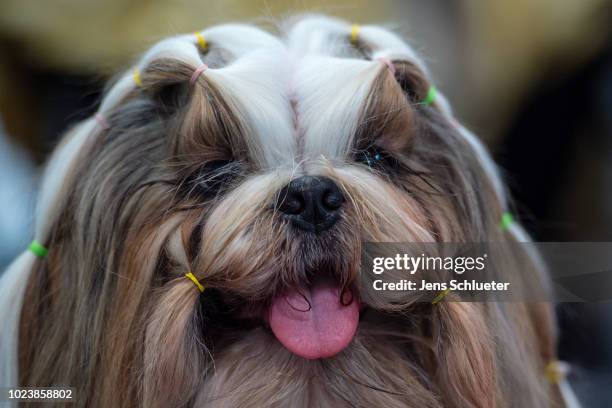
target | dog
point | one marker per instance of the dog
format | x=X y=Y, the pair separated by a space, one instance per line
x=198 y=240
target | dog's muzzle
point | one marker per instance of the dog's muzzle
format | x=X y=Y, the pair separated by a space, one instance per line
x=316 y=319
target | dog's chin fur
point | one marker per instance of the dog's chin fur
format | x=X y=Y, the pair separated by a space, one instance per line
x=188 y=178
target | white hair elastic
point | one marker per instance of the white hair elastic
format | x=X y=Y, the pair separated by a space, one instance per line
x=101 y=121
x=197 y=73
x=388 y=63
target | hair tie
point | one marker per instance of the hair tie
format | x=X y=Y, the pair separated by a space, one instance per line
x=38 y=249
x=432 y=92
x=554 y=372
x=440 y=296
x=506 y=221
x=201 y=40
x=195 y=281
x=355 y=28
x=388 y=63
x=101 y=121
x=136 y=77
x=196 y=74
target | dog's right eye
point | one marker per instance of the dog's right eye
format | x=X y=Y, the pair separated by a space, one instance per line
x=375 y=157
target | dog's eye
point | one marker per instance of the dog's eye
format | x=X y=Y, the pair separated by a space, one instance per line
x=375 y=157
x=213 y=176
x=216 y=165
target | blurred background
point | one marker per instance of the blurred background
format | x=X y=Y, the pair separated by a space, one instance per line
x=533 y=78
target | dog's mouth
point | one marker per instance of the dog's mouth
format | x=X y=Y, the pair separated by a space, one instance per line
x=317 y=320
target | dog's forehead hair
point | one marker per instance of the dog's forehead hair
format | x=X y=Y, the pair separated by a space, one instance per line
x=289 y=98
x=331 y=93
x=318 y=106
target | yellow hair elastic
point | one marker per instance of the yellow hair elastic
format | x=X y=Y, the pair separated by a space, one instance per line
x=355 y=33
x=38 y=249
x=440 y=296
x=201 y=40
x=556 y=373
x=553 y=372
x=195 y=281
x=136 y=77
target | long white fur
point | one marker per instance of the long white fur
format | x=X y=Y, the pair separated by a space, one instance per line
x=12 y=288
x=257 y=85
x=14 y=280
x=318 y=35
x=263 y=80
x=344 y=85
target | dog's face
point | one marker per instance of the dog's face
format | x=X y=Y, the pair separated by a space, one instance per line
x=263 y=177
x=348 y=157
x=282 y=236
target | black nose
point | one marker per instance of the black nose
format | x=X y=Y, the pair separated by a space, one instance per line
x=311 y=203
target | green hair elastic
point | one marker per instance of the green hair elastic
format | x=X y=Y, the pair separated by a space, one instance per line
x=432 y=92
x=506 y=221
x=38 y=249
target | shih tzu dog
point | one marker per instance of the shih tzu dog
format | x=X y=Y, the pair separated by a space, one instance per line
x=198 y=240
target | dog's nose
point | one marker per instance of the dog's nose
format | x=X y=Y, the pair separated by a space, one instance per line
x=312 y=203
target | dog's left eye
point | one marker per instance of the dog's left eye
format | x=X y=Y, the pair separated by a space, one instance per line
x=375 y=157
x=212 y=176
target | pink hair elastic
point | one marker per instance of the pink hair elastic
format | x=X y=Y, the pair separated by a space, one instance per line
x=197 y=73
x=101 y=121
x=388 y=63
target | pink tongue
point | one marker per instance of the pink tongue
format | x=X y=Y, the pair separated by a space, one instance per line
x=321 y=332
